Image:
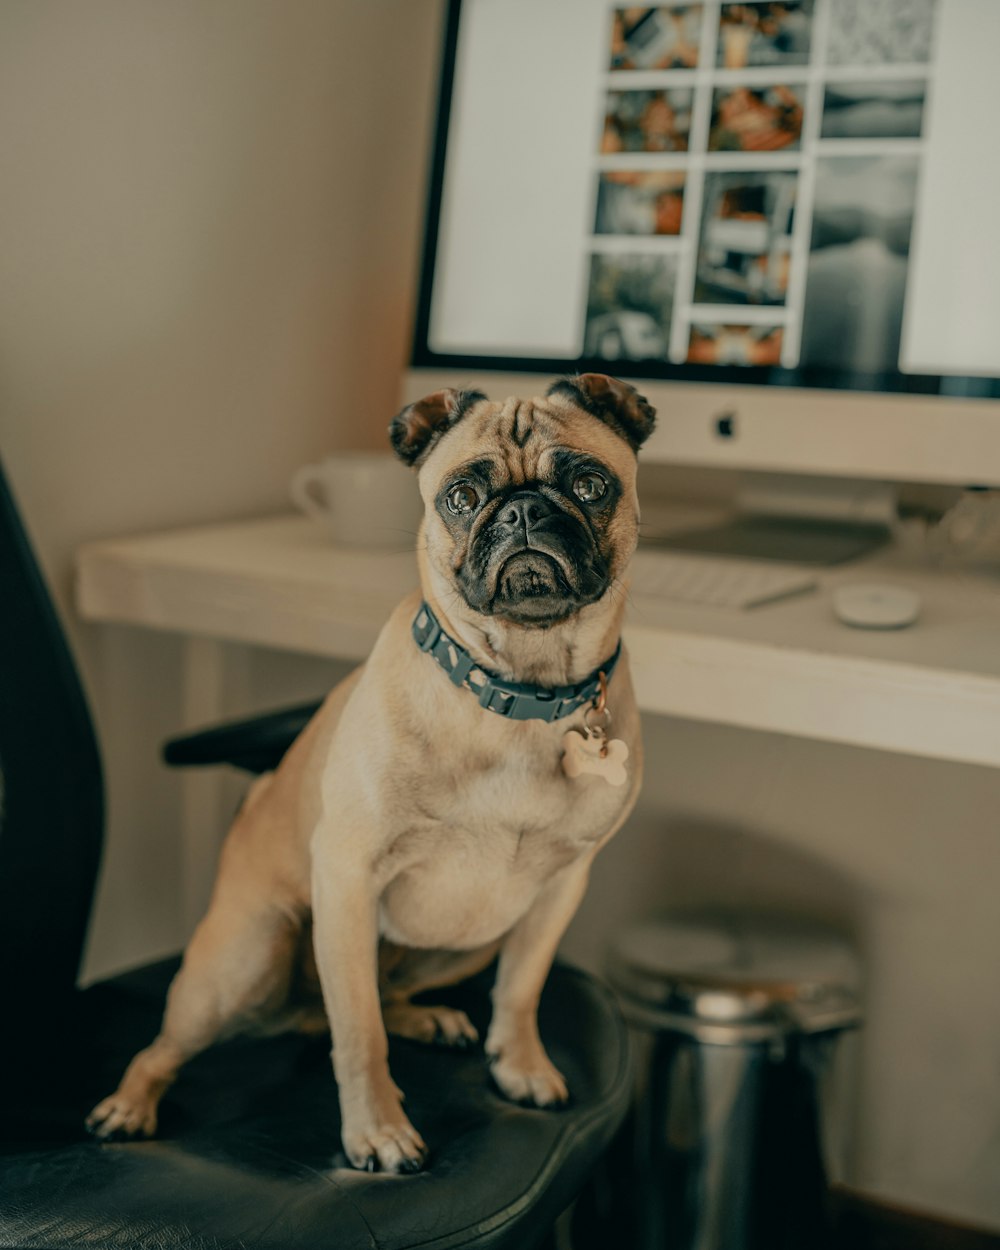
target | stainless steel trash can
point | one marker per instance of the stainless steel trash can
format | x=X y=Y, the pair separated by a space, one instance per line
x=740 y=1017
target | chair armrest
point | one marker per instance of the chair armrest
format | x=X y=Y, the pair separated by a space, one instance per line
x=256 y=744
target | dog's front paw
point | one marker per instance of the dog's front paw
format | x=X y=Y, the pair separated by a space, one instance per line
x=378 y=1137
x=120 y=1116
x=525 y=1073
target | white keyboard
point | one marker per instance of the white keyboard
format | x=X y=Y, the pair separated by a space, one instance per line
x=714 y=581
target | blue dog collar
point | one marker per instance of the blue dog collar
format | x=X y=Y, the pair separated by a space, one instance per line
x=511 y=699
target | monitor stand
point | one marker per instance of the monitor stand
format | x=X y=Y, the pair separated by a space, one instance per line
x=798 y=520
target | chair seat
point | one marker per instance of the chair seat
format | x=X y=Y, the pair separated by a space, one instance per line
x=248 y=1150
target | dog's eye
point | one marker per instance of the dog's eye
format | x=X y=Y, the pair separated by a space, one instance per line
x=589 y=487
x=462 y=499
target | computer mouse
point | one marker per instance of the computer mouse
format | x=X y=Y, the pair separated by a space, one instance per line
x=876 y=605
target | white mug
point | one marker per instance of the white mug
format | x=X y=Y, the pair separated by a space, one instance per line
x=364 y=498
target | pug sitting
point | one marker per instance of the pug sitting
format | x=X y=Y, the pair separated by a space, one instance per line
x=447 y=800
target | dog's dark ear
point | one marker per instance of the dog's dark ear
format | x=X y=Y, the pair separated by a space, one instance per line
x=415 y=430
x=614 y=402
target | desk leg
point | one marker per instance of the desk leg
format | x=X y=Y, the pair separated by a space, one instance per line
x=203 y=823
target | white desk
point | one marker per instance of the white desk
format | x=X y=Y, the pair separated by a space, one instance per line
x=789 y=667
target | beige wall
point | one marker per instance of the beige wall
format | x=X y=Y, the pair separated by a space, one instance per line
x=210 y=218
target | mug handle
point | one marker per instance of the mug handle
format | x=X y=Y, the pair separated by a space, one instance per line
x=303 y=496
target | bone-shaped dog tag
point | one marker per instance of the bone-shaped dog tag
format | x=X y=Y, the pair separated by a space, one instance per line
x=596 y=755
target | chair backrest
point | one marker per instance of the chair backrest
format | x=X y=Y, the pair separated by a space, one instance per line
x=51 y=794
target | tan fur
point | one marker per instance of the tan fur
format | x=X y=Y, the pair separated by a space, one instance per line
x=416 y=832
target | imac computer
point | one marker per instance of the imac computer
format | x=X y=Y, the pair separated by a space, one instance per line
x=781 y=221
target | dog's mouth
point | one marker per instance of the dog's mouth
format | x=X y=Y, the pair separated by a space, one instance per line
x=534 y=586
x=531 y=586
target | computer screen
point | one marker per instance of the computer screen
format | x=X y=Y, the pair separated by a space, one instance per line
x=801 y=194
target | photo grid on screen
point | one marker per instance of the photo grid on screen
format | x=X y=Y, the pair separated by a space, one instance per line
x=754 y=182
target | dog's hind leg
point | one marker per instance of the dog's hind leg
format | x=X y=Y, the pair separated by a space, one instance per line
x=303 y=1010
x=405 y=972
x=235 y=973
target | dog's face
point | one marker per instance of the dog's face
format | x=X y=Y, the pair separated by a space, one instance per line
x=531 y=510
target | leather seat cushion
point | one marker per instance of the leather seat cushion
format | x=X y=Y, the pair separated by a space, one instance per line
x=247 y=1153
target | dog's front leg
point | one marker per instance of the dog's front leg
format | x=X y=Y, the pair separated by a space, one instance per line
x=519 y=1063
x=376 y=1134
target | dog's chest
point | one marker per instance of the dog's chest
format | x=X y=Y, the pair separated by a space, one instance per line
x=482 y=841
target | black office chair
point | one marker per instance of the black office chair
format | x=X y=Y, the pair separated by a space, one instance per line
x=247 y=1152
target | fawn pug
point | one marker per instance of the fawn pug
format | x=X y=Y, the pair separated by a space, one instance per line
x=446 y=802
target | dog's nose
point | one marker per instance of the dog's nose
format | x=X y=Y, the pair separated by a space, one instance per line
x=524 y=510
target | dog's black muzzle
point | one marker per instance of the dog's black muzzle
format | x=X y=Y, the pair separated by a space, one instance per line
x=533 y=562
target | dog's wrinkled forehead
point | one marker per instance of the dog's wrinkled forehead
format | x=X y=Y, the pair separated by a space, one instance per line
x=514 y=433
x=607 y=415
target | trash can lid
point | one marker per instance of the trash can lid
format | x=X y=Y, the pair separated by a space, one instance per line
x=742 y=971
